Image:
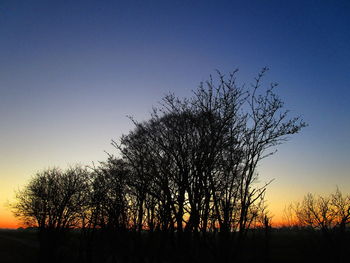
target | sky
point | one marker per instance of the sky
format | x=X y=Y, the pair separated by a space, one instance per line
x=72 y=71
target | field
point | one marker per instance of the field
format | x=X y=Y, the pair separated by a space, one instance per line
x=18 y=246
x=280 y=246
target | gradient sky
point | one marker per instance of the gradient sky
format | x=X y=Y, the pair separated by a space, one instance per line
x=70 y=72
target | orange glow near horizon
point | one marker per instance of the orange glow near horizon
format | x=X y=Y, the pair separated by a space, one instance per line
x=10 y=222
x=10 y=225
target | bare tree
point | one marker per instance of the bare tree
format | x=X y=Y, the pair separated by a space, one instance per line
x=109 y=195
x=198 y=156
x=326 y=213
x=341 y=210
x=54 y=201
x=190 y=168
x=329 y=215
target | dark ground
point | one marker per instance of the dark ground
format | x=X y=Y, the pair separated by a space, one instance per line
x=281 y=246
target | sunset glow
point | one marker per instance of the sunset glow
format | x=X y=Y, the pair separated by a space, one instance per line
x=71 y=73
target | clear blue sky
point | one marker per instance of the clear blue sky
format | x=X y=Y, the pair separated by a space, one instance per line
x=70 y=72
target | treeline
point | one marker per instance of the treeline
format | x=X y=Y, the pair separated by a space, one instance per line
x=323 y=221
x=191 y=167
x=330 y=214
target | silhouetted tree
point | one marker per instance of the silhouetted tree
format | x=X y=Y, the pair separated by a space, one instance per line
x=189 y=169
x=109 y=195
x=330 y=215
x=326 y=213
x=197 y=157
x=54 y=201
